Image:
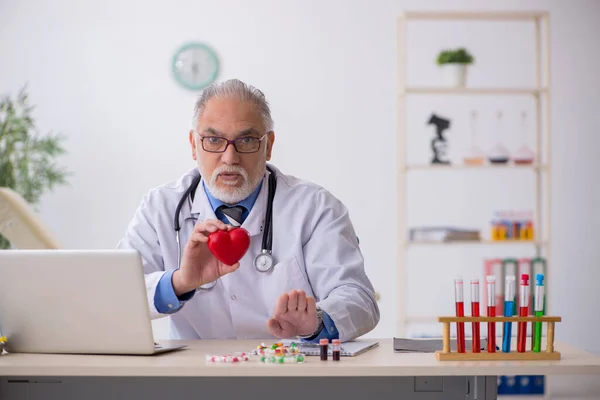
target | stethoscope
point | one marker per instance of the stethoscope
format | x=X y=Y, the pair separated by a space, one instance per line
x=263 y=261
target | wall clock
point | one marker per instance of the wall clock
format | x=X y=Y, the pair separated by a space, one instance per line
x=195 y=65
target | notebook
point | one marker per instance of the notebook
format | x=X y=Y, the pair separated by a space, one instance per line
x=402 y=345
x=348 y=349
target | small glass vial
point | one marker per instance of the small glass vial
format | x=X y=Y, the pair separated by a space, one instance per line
x=324 y=344
x=474 y=155
x=336 y=346
x=499 y=154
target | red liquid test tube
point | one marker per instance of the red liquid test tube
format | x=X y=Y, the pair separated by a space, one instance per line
x=491 y=312
x=475 y=343
x=523 y=312
x=324 y=349
x=460 y=312
x=336 y=345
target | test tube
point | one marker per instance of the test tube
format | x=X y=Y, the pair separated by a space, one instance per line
x=324 y=344
x=460 y=312
x=538 y=309
x=523 y=312
x=336 y=347
x=475 y=343
x=491 y=312
x=509 y=303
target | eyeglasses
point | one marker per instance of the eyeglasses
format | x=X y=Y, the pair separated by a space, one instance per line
x=217 y=144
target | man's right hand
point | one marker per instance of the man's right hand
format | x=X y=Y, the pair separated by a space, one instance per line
x=198 y=265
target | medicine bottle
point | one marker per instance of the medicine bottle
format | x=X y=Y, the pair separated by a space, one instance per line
x=336 y=346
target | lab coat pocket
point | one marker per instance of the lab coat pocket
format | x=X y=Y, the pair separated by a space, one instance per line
x=285 y=276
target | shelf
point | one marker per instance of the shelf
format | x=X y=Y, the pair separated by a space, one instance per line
x=473 y=91
x=439 y=167
x=494 y=16
x=478 y=243
x=538 y=91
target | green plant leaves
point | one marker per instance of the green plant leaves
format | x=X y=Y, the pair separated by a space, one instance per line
x=27 y=159
x=458 y=56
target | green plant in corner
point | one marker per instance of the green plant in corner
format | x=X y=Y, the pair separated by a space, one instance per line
x=455 y=56
x=27 y=159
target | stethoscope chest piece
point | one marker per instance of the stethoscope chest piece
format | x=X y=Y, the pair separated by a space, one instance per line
x=264 y=261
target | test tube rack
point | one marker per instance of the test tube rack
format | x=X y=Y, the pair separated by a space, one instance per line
x=549 y=354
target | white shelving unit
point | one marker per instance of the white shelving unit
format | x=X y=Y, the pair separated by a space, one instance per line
x=473 y=91
x=440 y=167
x=540 y=92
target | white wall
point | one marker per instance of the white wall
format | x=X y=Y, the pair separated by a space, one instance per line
x=99 y=73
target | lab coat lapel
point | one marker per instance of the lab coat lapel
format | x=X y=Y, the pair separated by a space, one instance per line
x=254 y=223
x=201 y=208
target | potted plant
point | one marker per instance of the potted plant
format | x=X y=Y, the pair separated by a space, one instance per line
x=27 y=159
x=453 y=64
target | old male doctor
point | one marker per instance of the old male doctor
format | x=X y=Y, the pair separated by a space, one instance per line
x=317 y=286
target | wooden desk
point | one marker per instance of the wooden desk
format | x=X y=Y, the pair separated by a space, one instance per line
x=186 y=372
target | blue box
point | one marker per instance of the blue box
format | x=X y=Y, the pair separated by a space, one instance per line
x=537 y=384
x=521 y=385
x=508 y=384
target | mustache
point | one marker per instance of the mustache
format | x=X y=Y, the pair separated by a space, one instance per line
x=229 y=169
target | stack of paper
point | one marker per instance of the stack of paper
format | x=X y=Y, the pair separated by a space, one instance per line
x=402 y=345
x=443 y=234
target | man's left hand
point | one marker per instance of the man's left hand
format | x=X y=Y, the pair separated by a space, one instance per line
x=295 y=314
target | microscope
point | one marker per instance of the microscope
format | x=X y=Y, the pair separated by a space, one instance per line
x=438 y=143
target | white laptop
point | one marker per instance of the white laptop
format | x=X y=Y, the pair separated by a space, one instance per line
x=75 y=301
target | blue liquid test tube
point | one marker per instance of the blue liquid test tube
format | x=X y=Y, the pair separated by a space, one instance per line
x=509 y=304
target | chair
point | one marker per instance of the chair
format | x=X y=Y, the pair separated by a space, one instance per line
x=21 y=225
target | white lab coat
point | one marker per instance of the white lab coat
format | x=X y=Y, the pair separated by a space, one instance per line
x=314 y=247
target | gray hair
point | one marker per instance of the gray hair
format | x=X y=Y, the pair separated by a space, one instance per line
x=237 y=89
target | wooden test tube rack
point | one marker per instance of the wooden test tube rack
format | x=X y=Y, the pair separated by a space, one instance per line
x=548 y=354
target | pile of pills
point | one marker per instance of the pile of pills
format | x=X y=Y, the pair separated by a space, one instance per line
x=279 y=354
x=275 y=354
x=230 y=358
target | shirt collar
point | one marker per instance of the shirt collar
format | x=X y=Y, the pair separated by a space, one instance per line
x=247 y=203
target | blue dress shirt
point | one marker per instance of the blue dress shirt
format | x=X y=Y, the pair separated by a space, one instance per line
x=167 y=302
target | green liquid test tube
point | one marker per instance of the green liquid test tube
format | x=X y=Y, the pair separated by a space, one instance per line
x=538 y=312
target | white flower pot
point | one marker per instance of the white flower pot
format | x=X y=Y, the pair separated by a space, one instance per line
x=454 y=75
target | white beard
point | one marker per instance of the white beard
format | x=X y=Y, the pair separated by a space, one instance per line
x=233 y=194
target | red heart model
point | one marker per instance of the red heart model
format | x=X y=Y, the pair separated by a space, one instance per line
x=229 y=246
